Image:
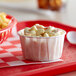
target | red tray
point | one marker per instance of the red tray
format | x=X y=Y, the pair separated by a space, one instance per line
x=69 y=54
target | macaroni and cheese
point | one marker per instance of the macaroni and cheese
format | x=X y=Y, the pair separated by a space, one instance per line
x=41 y=31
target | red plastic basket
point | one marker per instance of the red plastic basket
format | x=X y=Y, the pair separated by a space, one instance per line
x=4 y=33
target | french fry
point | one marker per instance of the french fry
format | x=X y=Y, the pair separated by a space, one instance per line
x=3 y=20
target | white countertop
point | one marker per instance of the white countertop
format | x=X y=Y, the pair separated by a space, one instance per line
x=66 y=16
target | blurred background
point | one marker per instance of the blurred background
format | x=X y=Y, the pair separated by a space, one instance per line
x=58 y=10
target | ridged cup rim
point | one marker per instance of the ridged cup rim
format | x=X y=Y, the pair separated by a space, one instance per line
x=41 y=37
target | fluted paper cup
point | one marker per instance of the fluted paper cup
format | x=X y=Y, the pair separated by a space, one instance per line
x=42 y=48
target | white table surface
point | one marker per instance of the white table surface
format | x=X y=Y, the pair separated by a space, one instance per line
x=66 y=16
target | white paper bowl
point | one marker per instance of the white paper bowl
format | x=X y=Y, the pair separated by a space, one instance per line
x=42 y=48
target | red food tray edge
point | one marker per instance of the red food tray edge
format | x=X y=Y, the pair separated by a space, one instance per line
x=49 y=71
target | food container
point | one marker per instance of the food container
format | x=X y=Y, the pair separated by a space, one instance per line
x=42 y=48
x=4 y=33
